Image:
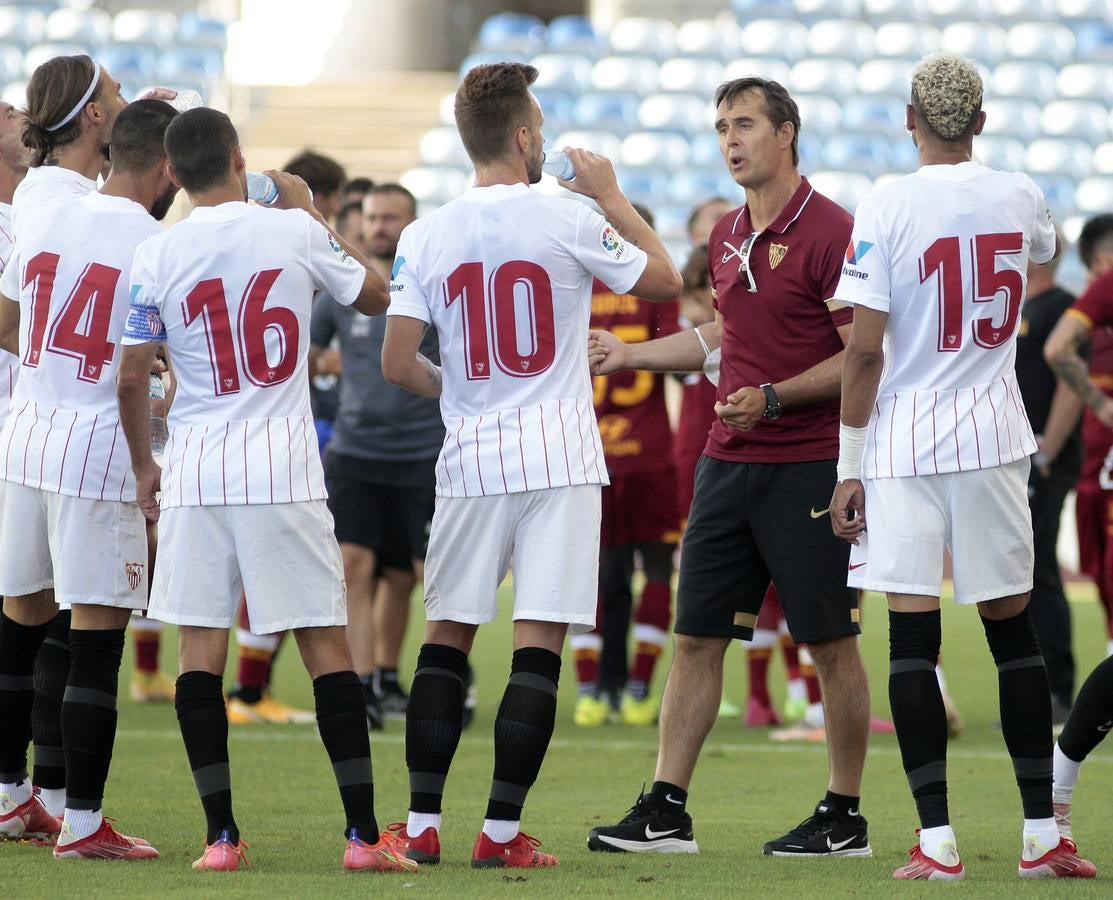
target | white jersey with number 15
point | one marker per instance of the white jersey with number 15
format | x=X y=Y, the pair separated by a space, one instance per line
x=504 y=274
x=944 y=251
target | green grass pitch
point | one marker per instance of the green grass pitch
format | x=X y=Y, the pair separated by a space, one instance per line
x=746 y=790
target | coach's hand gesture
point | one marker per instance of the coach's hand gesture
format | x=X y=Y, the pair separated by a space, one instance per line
x=606 y=354
x=595 y=176
x=148 y=482
x=743 y=409
x=848 y=510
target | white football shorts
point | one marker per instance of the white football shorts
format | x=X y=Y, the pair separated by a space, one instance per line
x=89 y=551
x=551 y=538
x=981 y=516
x=282 y=556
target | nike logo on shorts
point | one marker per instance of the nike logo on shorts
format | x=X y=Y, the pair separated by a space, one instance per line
x=854 y=566
x=819 y=513
x=650 y=834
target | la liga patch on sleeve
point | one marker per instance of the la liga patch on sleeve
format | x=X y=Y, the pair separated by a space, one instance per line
x=613 y=243
x=336 y=248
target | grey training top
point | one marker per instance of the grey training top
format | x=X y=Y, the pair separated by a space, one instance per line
x=376 y=421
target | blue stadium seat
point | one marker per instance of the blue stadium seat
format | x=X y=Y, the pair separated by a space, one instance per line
x=1052 y=156
x=676 y=112
x=710 y=39
x=815 y=10
x=40 y=53
x=1103 y=159
x=1085 y=119
x=21 y=25
x=435 y=184
x=130 y=62
x=1082 y=11
x=1023 y=10
x=672 y=221
x=748 y=10
x=841 y=39
x=625 y=73
x=766 y=66
x=689 y=187
x=704 y=152
x=563 y=72
x=557 y=106
x=907 y=39
x=1046 y=41
x=1015 y=118
x=144 y=26
x=866 y=154
x=574 y=34
x=70 y=26
x=1094 y=42
x=486 y=57
x=602 y=142
x=615 y=111
x=1059 y=191
x=11 y=63
x=885 y=10
x=874 y=114
x=645 y=186
x=512 y=31
x=203 y=62
x=442 y=147
x=944 y=11
x=999 y=152
x=1086 y=81
x=658 y=150
x=845 y=188
x=1025 y=80
x=983 y=41
x=1094 y=194
x=655 y=38
x=810 y=148
x=194 y=28
x=781 y=38
x=688 y=75
x=886 y=76
x=819 y=115
x=903 y=155
x=834 y=77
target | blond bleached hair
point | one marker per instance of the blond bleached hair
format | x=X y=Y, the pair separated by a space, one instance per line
x=947 y=92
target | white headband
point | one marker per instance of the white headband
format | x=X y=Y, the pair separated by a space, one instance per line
x=86 y=97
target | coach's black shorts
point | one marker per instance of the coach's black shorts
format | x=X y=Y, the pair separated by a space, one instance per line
x=385 y=507
x=755 y=522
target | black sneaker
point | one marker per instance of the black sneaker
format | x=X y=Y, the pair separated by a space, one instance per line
x=371 y=706
x=825 y=833
x=646 y=829
x=393 y=701
x=469 y=696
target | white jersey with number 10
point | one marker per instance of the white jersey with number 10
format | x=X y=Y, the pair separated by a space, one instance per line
x=945 y=252
x=504 y=273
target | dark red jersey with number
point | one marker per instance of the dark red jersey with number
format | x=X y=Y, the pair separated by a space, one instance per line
x=630 y=406
x=1095 y=307
x=697 y=414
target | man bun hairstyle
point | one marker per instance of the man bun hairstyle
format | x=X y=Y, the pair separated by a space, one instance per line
x=138 y=133
x=199 y=145
x=492 y=102
x=779 y=105
x=55 y=89
x=947 y=94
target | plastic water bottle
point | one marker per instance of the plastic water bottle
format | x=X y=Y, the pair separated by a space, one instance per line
x=159 y=431
x=558 y=165
x=261 y=188
x=187 y=100
x=711 y=365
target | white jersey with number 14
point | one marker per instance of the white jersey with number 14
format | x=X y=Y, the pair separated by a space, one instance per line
x=504 y=273
x=944 y=251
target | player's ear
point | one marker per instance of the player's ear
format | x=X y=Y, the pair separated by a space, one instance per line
x=169 y=171
x=980 y=124
x=238 y=164
x=909 y=118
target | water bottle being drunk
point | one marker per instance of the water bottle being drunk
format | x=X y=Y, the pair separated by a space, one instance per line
x=261 y=188
x=558 y=165
x=159 y=432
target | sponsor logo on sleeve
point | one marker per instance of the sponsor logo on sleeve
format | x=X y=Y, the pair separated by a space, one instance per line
x=336 y=248
x=396 y=286
x=855 y=253
x=399 y=262
x=613 y=244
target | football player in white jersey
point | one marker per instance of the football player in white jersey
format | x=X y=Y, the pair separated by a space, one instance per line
x=504 y=274
x=229 y=290
x=935 y=446
x=69 y=524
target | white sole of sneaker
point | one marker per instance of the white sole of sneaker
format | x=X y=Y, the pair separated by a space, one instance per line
x=665 y=845
x=859 y=852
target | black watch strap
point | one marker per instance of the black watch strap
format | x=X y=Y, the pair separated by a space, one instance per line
x=772 y=402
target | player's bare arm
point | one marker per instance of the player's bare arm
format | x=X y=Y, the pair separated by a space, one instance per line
x=863 y=361
x=294 y=193
x=1062 y=352
x=133 y=396
x=403 y=365
x=680 y=352
x=9 y=325
x=1062 y=419
x=595 y=178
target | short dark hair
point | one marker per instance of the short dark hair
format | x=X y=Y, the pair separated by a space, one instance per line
x=138 y=133
x=350 y=207
x=698 y=209
x=390 y=187
x=323 y=174
x=695 y=274
x=779 y=105
x=358 y=185
x=491 y=104
x=1096 y=232
x=644 y=212
x=199 y=144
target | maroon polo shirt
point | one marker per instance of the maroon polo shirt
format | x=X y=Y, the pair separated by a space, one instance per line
x=782 y=329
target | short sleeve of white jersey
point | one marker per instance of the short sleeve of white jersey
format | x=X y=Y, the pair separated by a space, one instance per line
x=333 y=270
x=9 y=281
x=865 y=272
x=605 y=253
x=144 y=322
x=1043 y=232
x=407 y=297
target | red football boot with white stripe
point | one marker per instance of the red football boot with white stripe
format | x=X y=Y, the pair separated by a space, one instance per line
x=1061 y=862
x=424 y=849
x=921 y=867
x=518 y=853
x=104 y=843
x=29 y=821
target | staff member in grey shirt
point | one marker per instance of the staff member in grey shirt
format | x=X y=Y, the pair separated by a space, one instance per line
x=379 y=467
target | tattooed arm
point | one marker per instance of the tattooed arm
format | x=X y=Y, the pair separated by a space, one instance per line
x=1062 y=353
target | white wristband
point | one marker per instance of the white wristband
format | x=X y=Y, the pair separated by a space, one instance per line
x=702 y=342
x=852 y=445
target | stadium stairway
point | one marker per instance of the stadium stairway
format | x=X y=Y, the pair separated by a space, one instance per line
x=371 y=125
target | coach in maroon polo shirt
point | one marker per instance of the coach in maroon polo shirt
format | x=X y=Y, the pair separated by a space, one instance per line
x=765 y=479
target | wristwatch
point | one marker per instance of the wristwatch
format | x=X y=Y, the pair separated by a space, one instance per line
x=772 y=403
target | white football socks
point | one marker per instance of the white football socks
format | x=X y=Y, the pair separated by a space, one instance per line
x=501 y=831
x=417 y=822
x=1040 y=836
x=933 y=841
x=1066 y=776
x=83 y=822
x=19 y=793
x=54 y=799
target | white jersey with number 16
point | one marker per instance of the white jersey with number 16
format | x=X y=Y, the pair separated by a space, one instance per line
x=504 y=273
x=944 y=251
